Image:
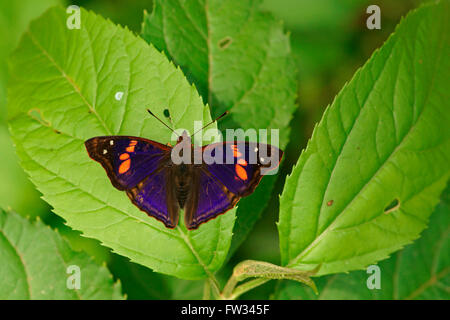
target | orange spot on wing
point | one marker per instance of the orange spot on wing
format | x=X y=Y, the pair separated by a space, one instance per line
x=133 y=143
x=124 y=156
x=241 y=172
x=236 y=152
x=242 y=162
x=125 y=166
x=130 y=149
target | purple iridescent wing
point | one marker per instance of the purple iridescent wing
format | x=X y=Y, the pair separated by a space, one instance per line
x=127 y=160
x=240 y=166
x=229 y=172
x=156 y=196
x=208 y=198
x=138 y=166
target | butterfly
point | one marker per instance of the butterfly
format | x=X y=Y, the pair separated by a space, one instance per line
x=160 y=183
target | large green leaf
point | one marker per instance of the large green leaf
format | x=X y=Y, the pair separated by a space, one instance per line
x=420 y=271
x=14 y=18
x=62 y=92
x=15 y=191
x=36 y=264
x=240 y=59
x=378 y=160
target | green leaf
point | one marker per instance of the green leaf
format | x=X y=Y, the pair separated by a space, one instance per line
x=62 y=92
x=14 y=18
x=380 y=144
x=15 y=191
x=36 y=260
x=240 y=59
x=262 y=272
x=420 y=271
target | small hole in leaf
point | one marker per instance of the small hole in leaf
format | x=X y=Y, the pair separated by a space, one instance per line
x=225 y=42
x=166 y=113
x=394 y=205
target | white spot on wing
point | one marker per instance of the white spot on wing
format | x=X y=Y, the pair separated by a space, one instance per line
x=105 y=151
x=111 y=142
x=256 y=149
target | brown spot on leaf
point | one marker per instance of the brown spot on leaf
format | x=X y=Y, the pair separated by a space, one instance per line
x=225 y=42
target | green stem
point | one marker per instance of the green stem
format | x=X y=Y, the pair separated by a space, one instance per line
x=246 y=286
x=206 y=290
x=263 y=272
x=229 y=287
x=214 y=286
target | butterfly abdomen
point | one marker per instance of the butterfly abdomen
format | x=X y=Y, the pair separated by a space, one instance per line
x=182 y=193
x=182 y=183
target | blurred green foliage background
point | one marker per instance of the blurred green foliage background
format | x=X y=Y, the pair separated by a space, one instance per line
x=329 y=41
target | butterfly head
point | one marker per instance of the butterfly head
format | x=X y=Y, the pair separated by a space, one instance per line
x=181 y=152
x=184 y=139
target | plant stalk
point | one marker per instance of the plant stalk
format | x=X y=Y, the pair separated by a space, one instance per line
x=246 y=286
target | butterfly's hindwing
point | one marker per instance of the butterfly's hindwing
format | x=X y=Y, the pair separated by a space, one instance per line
x=208 y=199
x=156 y=196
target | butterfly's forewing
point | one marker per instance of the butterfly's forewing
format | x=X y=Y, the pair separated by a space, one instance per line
x=243 y=164
x=219 y=185
x=136 y=165
x=127 y=160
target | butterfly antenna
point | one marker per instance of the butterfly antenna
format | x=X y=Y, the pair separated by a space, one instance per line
x=161 y=121
x=216 y=119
